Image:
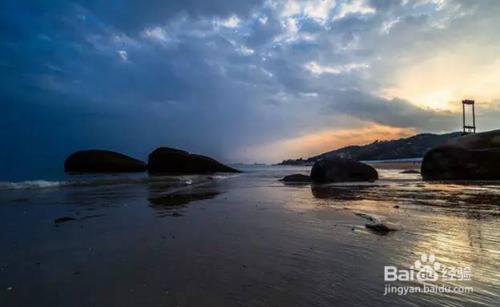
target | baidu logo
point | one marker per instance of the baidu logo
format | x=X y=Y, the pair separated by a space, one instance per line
x=427 y=269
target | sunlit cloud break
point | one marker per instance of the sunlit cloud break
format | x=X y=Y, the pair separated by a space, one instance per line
x=317 y=69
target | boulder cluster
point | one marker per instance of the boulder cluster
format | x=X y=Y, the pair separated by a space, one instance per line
x=162 y=160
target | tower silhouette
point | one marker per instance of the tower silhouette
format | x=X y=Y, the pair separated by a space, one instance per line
x=468 y=128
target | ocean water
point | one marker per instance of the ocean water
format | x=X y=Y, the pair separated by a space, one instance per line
x=242 y=240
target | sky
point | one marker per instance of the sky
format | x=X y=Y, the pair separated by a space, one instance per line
x=242 y=81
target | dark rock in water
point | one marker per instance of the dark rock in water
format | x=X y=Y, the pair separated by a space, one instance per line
x=410 y=171
x=379 y=228
x=296 y=178
x=174 y=161
x=457 y=163
x=102 y=161
x=64 y=219
x=342 y=170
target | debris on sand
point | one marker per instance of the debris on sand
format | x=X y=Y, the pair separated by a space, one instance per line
x=376 y=225
x=63 y=219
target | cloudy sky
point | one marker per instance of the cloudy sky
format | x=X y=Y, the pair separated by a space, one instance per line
x=239 y=80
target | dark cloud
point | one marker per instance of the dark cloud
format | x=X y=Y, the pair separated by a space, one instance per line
x=395 y=112
x=132 y=75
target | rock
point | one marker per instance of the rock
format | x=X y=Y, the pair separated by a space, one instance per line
x=371 y=217
x=396 y=207
x=452 y=162
x=341 y=170
x=410 y=171
x=376 y=224
x=488 y=139
x=174 y=161
x=379 y=228
x=102 y=161
x=296 y=178
x=470 y=157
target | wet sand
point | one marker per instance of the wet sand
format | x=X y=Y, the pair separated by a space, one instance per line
x=246 y=240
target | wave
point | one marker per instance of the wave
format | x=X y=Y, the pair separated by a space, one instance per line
x=89 y=182
x=31 y=184
x=222 y=177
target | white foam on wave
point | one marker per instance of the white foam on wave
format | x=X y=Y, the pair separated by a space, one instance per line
x=222 y=177
x=44 y=184
x=31 y=184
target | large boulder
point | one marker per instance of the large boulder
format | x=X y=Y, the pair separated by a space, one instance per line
x=488 y=139
x=469 y=157
x=102 y=161
x=336 y=169
x=457 y=163
x=174 y=161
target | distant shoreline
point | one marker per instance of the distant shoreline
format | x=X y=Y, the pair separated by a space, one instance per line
x=404 y=149
x=409 y=163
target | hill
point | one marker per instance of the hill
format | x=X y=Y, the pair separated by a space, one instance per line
x=405 y=148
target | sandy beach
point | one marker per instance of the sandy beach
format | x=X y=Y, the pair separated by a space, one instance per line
x=242 y=240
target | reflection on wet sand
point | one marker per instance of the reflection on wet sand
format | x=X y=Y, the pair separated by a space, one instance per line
x=167 y=202
x=471 y=200
x=164 y=204
x=338 y=192
x=458 y=223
